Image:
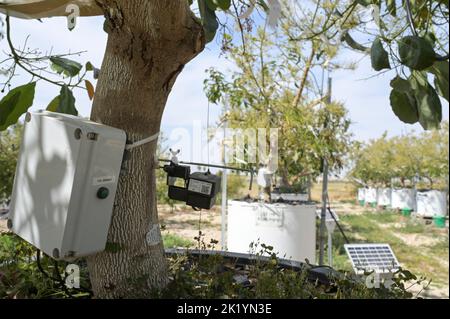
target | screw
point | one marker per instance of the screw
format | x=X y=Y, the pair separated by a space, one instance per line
x=56 y=253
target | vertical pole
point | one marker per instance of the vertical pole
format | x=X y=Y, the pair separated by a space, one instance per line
x=324 y=191
x=224 y=186
x=330 y=249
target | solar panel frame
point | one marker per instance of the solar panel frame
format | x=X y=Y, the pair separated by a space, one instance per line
x=372 y=257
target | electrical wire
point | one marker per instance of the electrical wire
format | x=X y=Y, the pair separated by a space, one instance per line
x=61 y=282
x=337 y=223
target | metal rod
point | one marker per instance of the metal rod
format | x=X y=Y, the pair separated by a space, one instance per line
x=324 y=188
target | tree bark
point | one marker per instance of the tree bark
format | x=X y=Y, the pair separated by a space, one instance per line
x=149 y=43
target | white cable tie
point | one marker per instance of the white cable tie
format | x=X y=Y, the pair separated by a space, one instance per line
x=142 y=142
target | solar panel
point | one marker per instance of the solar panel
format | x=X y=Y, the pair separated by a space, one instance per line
x=372 y=257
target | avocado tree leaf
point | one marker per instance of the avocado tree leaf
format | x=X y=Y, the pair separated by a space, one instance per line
x=379 y=56
x=404 y=106
x=223 y=4
x=440 y=70
x=416 y=52
x=54 y=104
x=90 y=89
x=391 y=7
x=209 y=20
x=429 y=104
x=16 y=103
x=400 y=84
x=89 y=66
x=66 y=101
x=65 y=66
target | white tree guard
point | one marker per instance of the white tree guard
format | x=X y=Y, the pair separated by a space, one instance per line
x=404 y=198
x=384 y=196
x=35 y=9
x=371 y=195
x=361 y=194
x=432 y=204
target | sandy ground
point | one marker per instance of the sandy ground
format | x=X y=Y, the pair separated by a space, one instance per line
x=186 y=223
x=3 y=228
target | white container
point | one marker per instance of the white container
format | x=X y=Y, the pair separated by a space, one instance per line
x=404 y=198
x=290 y=197
x=65 y=184
x=384 y=196
x=290 y=229
x=371 y=195
x=361 y=195
x=432 y=204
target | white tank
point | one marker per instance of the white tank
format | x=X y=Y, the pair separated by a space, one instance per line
x=432 y=204
x=290 y=229
x=371 y=195
x=403 y=198
x=361 y=194
x=384 y=196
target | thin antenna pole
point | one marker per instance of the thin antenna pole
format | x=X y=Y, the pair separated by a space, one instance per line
x=324 y=188
x=224 y=184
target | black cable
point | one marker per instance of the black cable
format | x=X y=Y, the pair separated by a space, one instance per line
x=337 y=223
x=58 y=279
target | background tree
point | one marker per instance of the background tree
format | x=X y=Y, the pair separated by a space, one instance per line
x=276 y=85
x=408 y=159
x=9 y=152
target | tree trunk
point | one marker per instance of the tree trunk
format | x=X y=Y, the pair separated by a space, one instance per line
x=149 y=43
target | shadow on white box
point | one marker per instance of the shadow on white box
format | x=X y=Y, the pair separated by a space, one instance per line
x=65 y=184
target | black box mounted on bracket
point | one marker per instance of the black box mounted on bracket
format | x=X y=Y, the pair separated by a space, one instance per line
x=199 y=190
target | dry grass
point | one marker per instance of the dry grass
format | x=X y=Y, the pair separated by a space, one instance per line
x=339 y=191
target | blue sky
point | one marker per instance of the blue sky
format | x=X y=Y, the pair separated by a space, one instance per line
x=366 y=99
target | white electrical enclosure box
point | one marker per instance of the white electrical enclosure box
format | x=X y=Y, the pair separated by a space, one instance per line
x=65 y=184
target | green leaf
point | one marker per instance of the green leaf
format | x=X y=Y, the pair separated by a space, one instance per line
x=401 y=85
x=67 y=102
x=65 y=66
x=209 y=20
x=89 y=66
x=379 y=56
x=404 y=106
x=54 y=104
x=222 y=4
x=428 y=104
x=440 y=70
x=365 y=3
x=391 y=7
x=416 y=52
x=16 y=103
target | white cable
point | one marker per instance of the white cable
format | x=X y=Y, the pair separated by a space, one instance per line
x=142 y=142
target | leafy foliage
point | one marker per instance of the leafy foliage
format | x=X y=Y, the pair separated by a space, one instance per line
x=272 y=88
x=415 y=30
x=9 y=153
x=20 y=277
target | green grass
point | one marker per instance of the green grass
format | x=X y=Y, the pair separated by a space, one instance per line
x=412 y=227
x=174 y=241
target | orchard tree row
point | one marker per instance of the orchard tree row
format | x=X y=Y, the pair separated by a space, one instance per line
x=421 y=158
